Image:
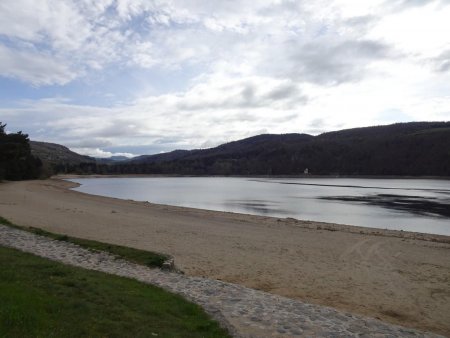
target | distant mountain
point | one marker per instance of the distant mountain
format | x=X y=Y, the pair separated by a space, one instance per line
x=118 y=158
x=53 y=154
x=111 y=159
x=415 y=149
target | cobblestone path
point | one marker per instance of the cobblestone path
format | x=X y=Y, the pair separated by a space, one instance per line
x=245 y=312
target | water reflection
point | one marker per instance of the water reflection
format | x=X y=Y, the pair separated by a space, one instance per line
x=401 y=204
x=443 y=191
x=257 y=206
x=419 y=205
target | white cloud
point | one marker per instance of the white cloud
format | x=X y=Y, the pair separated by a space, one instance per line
x=418 y=32
x=99 y=153
x=247 y=67
x=34 y=68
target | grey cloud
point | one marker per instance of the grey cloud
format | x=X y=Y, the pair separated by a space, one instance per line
x=252 y=96
x=89 y=143
x=331 y=62
x=244 y=95
x=284 y=91
x=361 y=24
x=319 y=126
x=245 y=117
x=442 y=62
x=235 y=117
x=118 y=128
x=316 y=126
x=315 y=131
x=317 y=123
x=166 y=140
x=358 y=21
x=248 y=94
x=284 y=118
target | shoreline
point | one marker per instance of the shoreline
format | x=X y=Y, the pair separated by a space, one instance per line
x=311 y=224
x=309 y=176
x=307 y=224
x=397 y=276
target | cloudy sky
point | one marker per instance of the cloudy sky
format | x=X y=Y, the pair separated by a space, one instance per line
x=139 y=76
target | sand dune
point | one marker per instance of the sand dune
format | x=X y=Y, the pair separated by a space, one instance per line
x=396 y=276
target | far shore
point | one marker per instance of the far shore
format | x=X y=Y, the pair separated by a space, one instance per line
x=397 y=276
x=388 y=177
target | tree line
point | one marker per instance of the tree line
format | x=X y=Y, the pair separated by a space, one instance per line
x=403 y=149
x=16 y=160
x=409 y=149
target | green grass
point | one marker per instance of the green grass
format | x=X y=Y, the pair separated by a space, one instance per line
x=148 y=258
x=41 y=298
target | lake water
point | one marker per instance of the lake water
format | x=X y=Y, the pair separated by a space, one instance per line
x=400 y=204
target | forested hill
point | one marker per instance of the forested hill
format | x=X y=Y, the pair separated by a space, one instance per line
x=417 y=148
x=247 y=147
x=57 y=154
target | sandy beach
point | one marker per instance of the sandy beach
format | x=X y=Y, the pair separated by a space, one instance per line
x=399 y=277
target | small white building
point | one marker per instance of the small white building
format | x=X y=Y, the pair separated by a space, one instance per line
x=306 y=171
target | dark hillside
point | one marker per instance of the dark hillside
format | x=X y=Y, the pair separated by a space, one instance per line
x=399 y=149
x=57 y=154
x=60 y=159
x=252 y=146
x=415 y=149
x=158 y=158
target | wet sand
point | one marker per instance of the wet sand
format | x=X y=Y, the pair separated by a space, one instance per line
x=400 y=277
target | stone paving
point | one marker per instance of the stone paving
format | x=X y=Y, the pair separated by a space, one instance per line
x=243 y=311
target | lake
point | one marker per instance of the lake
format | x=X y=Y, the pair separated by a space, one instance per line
x=421 y=205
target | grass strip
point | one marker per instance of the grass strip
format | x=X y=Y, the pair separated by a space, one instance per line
x=42 y=298
x=147 y=258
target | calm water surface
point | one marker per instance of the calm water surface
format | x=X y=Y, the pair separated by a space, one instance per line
x=400 y=204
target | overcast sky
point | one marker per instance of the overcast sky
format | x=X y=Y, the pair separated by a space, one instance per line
x=139 y=76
